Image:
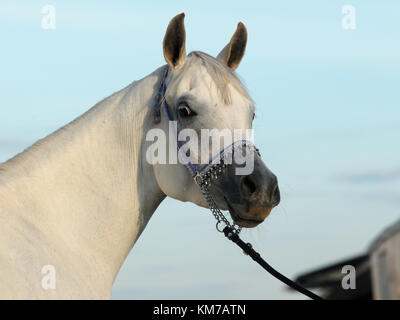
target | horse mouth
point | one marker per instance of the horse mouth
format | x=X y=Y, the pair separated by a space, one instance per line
x=240 y=220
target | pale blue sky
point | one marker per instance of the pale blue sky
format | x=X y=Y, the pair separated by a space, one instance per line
x=328 y=124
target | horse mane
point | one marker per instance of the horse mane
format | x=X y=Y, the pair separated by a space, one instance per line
x=222 y=75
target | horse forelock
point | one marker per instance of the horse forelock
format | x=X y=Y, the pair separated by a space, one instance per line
x=222 y=76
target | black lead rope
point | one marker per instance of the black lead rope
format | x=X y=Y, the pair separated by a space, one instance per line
x=248 y=249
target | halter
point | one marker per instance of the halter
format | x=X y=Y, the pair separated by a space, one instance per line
x=204 y=175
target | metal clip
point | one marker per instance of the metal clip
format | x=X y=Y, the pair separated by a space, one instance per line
x=198 y=178
x=216 y=226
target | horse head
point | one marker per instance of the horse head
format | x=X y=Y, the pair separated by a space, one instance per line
x=204 y=94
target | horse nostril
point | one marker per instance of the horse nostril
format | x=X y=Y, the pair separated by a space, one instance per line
x=248 y=186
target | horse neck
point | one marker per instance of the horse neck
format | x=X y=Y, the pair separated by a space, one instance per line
x=88 y=186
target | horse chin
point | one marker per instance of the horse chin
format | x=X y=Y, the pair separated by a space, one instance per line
x=241 y=221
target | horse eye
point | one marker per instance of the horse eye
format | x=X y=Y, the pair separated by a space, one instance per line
x=185 y=111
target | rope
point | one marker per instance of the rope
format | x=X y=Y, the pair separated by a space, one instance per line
x=248 y=249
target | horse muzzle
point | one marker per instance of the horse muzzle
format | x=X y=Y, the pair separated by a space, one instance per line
x=249 y=198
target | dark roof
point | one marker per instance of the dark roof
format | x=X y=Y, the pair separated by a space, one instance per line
x=331 y=274
x=329 y=280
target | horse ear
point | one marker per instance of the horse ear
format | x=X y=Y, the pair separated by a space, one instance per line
x=233 y=52
x=174 y=42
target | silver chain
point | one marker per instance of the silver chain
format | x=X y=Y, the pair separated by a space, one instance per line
x=204 y=181
x=217 y=213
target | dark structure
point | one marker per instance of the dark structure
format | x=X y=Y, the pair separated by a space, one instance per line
x=377 y=272
x=329 y=280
